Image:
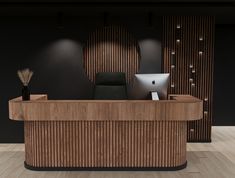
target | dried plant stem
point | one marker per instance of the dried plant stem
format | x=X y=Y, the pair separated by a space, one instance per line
x=25 y=76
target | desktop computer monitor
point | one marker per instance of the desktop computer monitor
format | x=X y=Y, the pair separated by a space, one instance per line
x=147 y=85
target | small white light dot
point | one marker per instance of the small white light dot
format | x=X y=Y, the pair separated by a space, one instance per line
x=178 y=40
x=193 y=84
x=172 y=66
x=193 y=71
x=173 y=52
x=190 y=66
x=190 y=79
x=200 y=39
x=172 y=85
x=200 y=52
x=206 y=99
x=191 y=130
x=178 y=26
x=205 y=112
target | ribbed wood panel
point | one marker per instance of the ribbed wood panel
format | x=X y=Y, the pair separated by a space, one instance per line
x=105 y=143
x=190 y=61
x=111 y=49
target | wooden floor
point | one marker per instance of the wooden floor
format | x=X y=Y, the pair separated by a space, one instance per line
x=205 y=160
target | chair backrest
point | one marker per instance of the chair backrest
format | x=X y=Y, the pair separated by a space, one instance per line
x=110 y=86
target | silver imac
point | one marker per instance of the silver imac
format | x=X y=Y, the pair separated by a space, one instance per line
x=150 y=86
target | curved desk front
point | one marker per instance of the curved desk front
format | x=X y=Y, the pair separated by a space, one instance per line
x=105 y=134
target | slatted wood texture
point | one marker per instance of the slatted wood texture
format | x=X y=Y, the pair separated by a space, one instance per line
x=105 y=143
x=111 y=49
x=190 y=62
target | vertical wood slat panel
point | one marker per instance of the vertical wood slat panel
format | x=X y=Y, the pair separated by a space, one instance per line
x=186 y=54
x=111 y=49
x=105 y=143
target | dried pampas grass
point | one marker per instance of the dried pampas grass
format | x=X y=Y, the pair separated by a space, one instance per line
x=25 y=76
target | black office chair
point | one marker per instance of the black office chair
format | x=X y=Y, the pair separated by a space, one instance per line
x=110 y=86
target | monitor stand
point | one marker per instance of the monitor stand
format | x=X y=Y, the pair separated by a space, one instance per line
x=154 y=95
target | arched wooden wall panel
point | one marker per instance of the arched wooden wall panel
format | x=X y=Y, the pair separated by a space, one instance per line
x=188 y=45
x=111 y=49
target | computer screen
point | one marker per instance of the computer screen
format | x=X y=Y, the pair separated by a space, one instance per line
x=145 y=84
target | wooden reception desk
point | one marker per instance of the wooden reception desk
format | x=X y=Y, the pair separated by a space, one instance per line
x=105 y=134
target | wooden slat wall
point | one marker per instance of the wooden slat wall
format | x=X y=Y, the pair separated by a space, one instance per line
x=105 y=143
x=111 y=49
x=196 y=33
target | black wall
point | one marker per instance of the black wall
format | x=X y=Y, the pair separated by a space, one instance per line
x=34 y=37
x=224 y=83
x=52 y=48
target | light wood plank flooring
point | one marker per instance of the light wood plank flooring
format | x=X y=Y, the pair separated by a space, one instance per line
x=205 y=160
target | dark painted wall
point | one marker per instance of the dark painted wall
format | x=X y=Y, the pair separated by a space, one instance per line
x=55 y=54
x=224 y=85
x=53 y=50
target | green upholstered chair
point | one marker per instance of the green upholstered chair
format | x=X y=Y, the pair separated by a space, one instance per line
x=110 y=86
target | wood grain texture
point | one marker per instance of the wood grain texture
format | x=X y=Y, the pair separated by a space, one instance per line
x=111 y=49
x=105 y=143
x=205 y=160
x=15 y=106
x=105 y=133
x=190 y=63
x=181 y=109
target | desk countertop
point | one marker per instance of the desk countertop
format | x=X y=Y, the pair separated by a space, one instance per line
x=39 y=108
